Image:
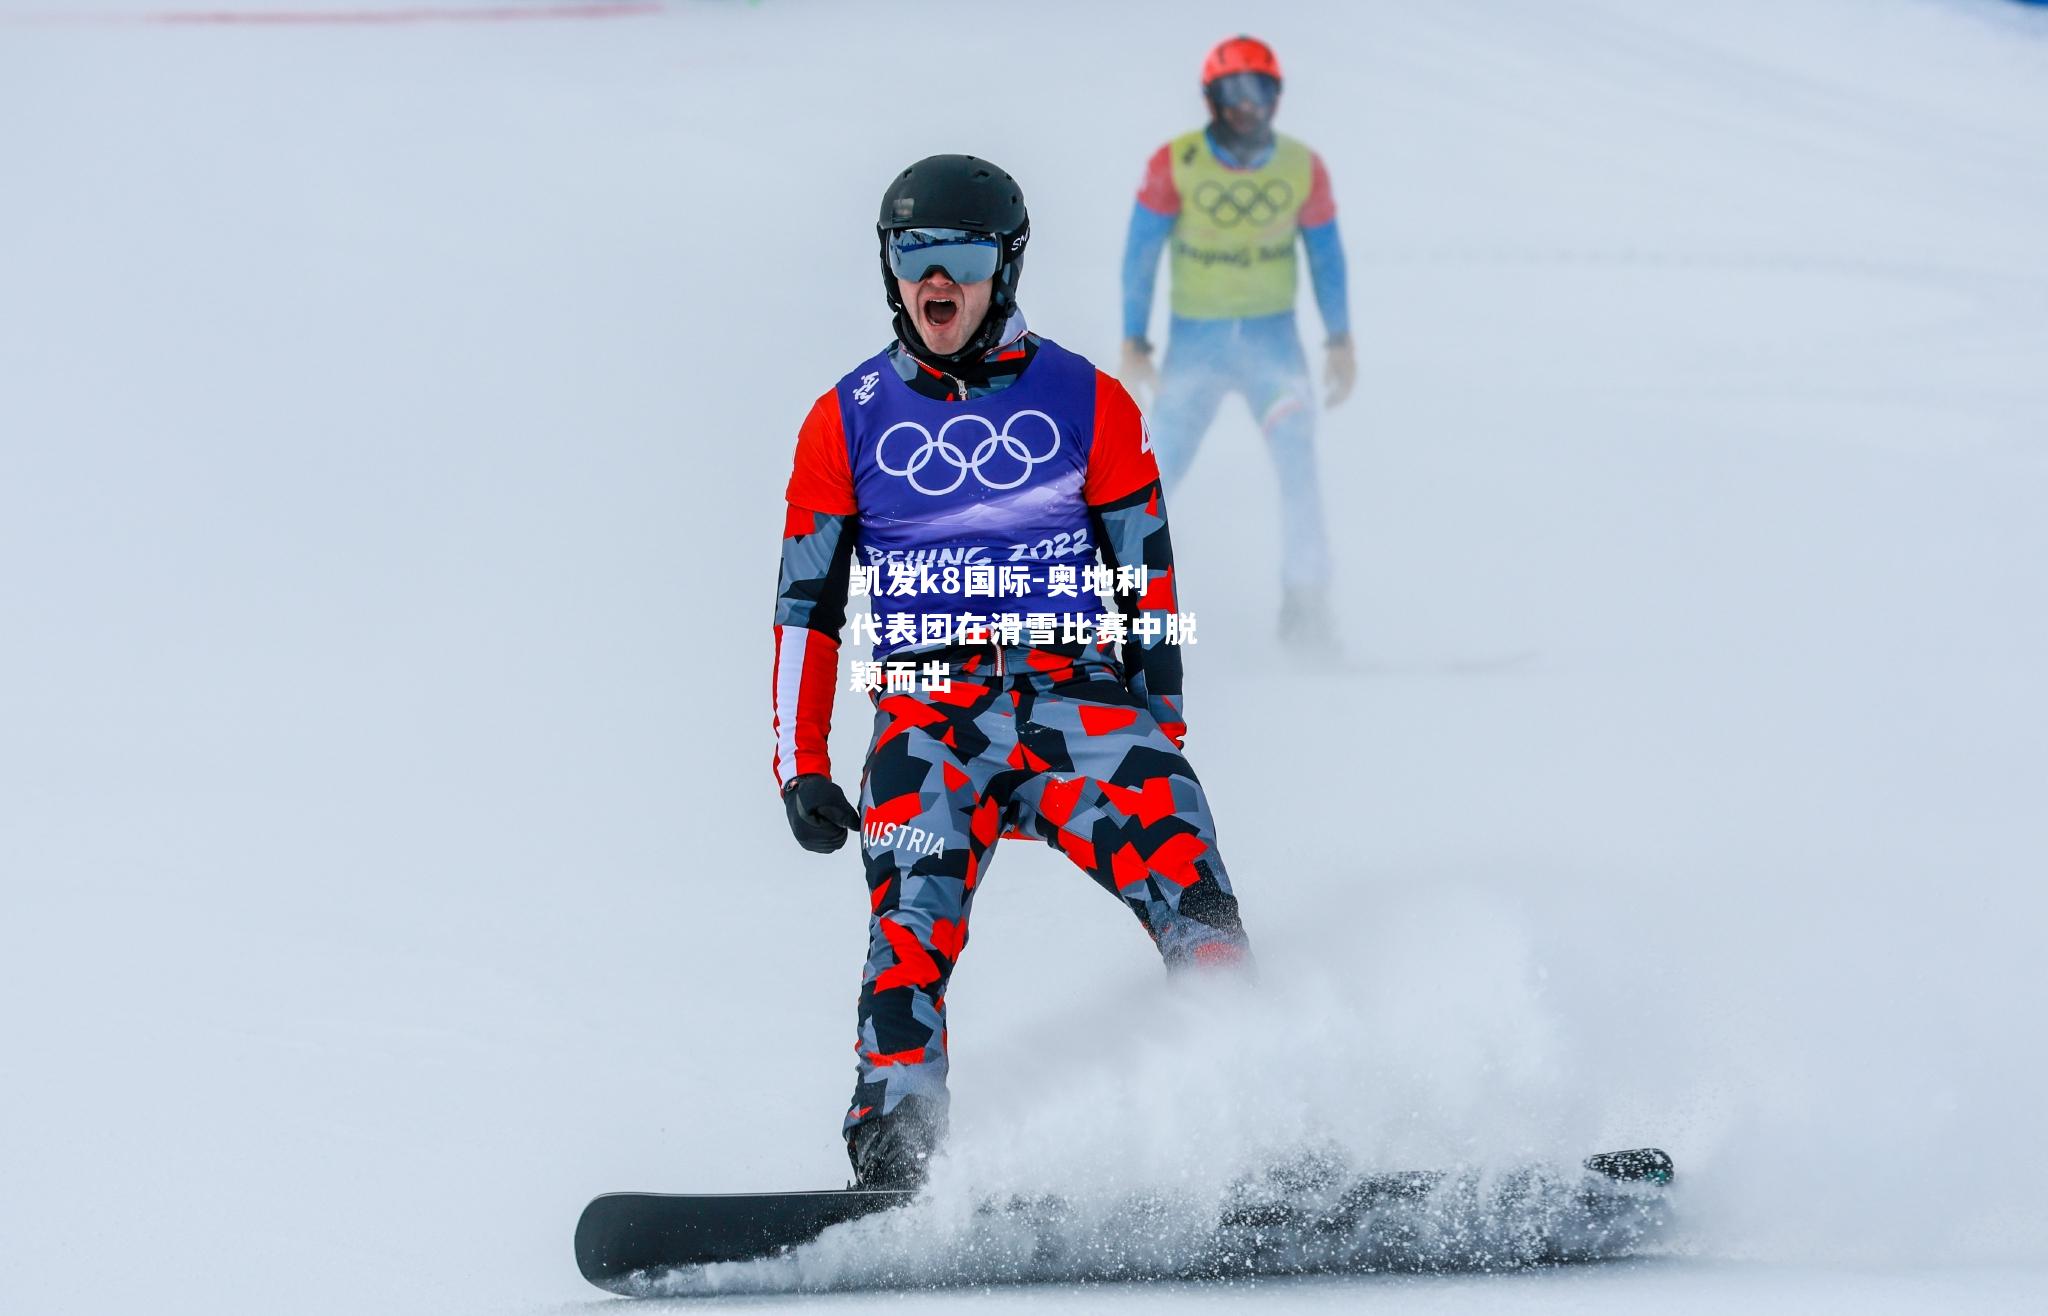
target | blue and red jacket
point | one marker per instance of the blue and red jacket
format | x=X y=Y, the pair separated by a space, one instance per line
x=1157 y=211
x=917 y=475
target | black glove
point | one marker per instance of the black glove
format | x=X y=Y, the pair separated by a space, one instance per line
x=818 y=812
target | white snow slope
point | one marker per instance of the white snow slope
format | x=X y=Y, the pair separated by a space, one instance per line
x=393 y=421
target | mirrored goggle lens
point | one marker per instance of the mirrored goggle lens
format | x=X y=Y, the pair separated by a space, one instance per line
x=965 y=257
x=1246 y=89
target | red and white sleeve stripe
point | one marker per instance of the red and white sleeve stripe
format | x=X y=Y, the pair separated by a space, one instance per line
x=806 y=677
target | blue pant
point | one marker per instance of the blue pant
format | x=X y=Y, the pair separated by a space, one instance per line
x=1262 y=360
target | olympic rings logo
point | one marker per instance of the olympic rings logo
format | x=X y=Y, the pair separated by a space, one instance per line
x=1243 y=200
x=1013 y=450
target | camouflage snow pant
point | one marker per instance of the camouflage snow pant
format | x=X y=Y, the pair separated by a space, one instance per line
x=1062 y=752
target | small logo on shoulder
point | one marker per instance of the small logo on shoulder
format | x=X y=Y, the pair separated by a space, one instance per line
x=866 y=391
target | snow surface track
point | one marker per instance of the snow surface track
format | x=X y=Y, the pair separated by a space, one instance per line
x=393 y=418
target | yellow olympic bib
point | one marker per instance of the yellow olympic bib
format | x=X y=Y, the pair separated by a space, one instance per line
x=1234 y=241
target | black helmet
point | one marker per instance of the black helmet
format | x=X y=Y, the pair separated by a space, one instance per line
x=958 y=191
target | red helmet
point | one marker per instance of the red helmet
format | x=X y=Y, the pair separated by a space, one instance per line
x=1240 y=55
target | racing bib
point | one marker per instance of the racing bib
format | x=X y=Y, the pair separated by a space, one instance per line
x=1234 y=240
x=993 y=483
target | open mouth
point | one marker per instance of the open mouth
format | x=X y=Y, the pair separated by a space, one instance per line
x=939 y=311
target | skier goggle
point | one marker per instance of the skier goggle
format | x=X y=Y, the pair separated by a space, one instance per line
x=1246 y=89
x=965 y=257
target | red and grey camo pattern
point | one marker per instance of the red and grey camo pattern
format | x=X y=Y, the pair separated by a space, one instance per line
x=1062 y=751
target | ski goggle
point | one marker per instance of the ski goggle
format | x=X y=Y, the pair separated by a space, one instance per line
x=965 y=257
x=1246 y=89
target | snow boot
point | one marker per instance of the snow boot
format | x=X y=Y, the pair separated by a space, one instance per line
x=895 y=1150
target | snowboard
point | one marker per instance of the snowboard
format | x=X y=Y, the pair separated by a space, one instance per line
x=624 y=1237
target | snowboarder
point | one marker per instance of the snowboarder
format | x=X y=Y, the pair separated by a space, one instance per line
x=1232 y=197
x=971 y=443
